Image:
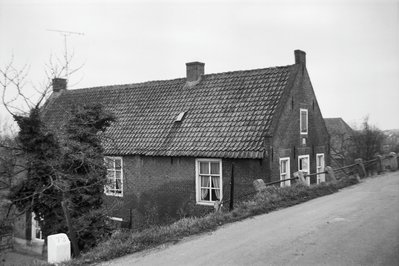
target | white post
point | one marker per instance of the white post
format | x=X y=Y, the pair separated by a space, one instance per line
x=58 y=248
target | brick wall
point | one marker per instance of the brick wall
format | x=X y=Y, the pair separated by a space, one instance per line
x=162 y=189
x=287 y=140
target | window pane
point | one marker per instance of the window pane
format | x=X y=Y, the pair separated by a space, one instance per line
x=215 y=195
x=215 y=168
x=303 y=164
x=205 y=181
x=283 y=166
x=304 y=122
x=118 y=184
x=204 y=168
x=118 y=174
x=215 y=182
x=118 y=163
x=205 y=194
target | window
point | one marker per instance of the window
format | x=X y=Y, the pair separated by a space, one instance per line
x=37 y=233
x=303 y=119
x=179 y=118
x=114 y=186
x=303 y=165
x=208 y=181
x=320 y=168
x=285 y=171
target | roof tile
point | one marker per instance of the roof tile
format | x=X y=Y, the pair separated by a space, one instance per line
x=227 y=114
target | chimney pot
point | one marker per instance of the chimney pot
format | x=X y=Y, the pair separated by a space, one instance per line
x=59 y=84
x=194 y=70
x=300 y=57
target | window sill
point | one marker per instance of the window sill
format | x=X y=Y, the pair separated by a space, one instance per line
x=117 y=219
x=114 y=195
x=206 y=203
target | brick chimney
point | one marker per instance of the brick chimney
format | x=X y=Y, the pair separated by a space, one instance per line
x=194 y=70
x=300 y=57
x=59 y=84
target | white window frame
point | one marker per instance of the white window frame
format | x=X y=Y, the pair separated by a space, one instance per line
x=115 y=219
x=287 y=173
x=107 y=186
x=320 y=177
x=301 y=122
x=198 y=181
x=308 y=170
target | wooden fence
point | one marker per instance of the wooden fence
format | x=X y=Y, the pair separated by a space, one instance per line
x=359 y=168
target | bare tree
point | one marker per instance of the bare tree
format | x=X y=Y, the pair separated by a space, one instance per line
x=53 y=173
x=368 y=141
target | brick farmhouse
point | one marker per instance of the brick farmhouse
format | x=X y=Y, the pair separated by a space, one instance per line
x=174 y=143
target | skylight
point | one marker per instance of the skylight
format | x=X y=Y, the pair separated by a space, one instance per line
x=179 y=118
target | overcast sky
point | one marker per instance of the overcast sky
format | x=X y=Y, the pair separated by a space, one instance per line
x=352 y=46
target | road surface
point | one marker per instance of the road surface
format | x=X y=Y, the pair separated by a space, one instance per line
x=357 y=226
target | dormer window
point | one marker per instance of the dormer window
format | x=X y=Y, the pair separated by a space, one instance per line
x=180 y=117
x=303 y=121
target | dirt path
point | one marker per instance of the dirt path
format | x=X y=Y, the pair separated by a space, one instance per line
x=356 y=226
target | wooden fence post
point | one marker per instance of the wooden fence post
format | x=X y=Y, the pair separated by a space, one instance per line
x=216 y=206
x=360 y=167
x=379 y=164
x=231 y=207
x=330 y=174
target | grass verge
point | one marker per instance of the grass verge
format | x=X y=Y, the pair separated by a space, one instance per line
x=125 y=242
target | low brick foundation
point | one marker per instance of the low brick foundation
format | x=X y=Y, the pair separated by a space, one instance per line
x=6 y=237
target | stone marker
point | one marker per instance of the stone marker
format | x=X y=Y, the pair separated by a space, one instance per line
x=393 y=161
x=360 y=167
x=259 y=185
x=58 y=248
x=330 y=174
x=301 y=177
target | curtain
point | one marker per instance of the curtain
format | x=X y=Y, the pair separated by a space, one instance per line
x=204 y=184
x=216 y=185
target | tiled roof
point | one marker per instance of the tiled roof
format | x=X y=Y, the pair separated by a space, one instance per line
x=337 y=126
x=227 y=115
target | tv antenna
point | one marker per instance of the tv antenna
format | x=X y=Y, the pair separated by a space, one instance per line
x=66 y=34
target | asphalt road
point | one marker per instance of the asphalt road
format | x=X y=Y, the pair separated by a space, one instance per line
x=357 y=226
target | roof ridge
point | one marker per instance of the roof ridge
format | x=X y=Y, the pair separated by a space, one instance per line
x=248 y=70
x=153 y=82
x=118 y=86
